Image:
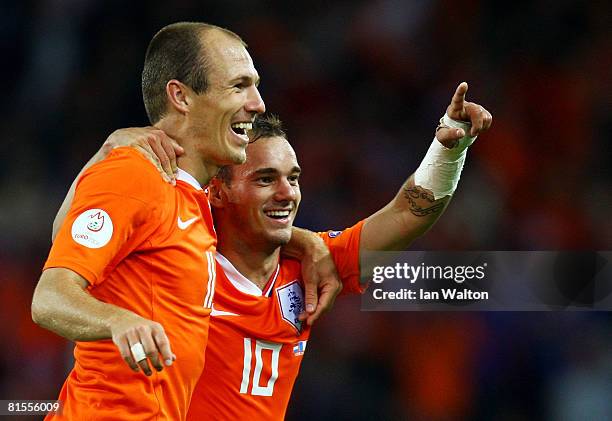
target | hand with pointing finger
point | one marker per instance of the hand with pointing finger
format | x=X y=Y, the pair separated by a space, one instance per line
x=463 y=111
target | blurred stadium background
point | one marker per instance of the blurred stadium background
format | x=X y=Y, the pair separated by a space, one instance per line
x=360 y=86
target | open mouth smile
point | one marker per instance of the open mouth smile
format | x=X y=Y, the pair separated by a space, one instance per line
x=241 y=129
x=280 y=216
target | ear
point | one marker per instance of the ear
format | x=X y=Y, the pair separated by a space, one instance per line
x=178 y=95
x=216 y=193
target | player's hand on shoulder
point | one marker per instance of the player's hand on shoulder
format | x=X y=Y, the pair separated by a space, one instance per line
x=321 y=281
x=141 y=341
x=469 y=112
x=154 y=144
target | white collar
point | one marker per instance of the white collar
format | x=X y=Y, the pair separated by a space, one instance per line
x=241 y=282
x=189 y=179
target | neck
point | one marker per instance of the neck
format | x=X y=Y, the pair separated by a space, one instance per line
x=190 y=161
x=256 y=263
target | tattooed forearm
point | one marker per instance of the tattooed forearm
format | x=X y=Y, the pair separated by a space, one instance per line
x=422 y=203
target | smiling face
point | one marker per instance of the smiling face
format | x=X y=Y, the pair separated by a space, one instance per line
x=219 y=117
x=262 y=198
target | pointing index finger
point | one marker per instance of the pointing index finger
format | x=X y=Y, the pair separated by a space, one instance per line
x=458 y=100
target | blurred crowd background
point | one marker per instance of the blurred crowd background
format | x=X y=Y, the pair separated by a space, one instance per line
x=360 y=86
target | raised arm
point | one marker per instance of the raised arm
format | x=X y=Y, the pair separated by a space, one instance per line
x=153 y=143
x=424 y=196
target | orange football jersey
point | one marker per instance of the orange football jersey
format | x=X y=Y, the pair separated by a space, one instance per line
x=147 y=247
x=256 y=341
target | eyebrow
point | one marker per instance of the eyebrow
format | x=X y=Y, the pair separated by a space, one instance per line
x=246 y=80
x=268 y=171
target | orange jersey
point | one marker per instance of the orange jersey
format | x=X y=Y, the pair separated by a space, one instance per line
x=256 y=342
x=147 y=247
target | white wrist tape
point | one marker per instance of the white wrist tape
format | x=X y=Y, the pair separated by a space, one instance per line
x=441 y=168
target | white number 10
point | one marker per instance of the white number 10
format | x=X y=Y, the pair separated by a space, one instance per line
x=258 y=390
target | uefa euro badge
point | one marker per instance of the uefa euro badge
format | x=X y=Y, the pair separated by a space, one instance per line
x=291 y=303
x=92 y=228
x=96 y=222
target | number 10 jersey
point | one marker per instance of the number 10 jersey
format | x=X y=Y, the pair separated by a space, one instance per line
x=256 y=342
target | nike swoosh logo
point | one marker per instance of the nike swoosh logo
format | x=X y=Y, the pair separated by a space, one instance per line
x=185 y=224
x=215 y=312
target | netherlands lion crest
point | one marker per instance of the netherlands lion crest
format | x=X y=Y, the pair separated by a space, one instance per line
x=291 y=303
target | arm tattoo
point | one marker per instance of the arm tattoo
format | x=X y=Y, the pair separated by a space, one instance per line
x=422 y=203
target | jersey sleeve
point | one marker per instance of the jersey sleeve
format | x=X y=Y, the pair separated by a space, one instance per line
x=113 y=211
x=344 y=247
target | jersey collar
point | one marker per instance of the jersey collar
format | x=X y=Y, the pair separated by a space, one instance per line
x=241 y=282
x=188 y=178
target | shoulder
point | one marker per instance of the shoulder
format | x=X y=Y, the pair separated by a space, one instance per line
x=347 y=238
x=124 y=172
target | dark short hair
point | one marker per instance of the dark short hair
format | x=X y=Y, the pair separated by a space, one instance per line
x=267 y=125
x=264 y=126
x=176 y=52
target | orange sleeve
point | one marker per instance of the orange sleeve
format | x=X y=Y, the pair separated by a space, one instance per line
x=344 y=247
x=112 y=213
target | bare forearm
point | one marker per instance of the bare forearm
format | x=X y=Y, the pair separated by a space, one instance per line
x=64 y=307
x=419 y=206
x=302 y=243
x=65 y=207
x=408 y=216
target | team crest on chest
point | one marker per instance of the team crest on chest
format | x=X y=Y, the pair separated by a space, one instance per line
x=291 y=303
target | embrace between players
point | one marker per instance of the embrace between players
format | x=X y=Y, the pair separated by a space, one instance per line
x=139 y=277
